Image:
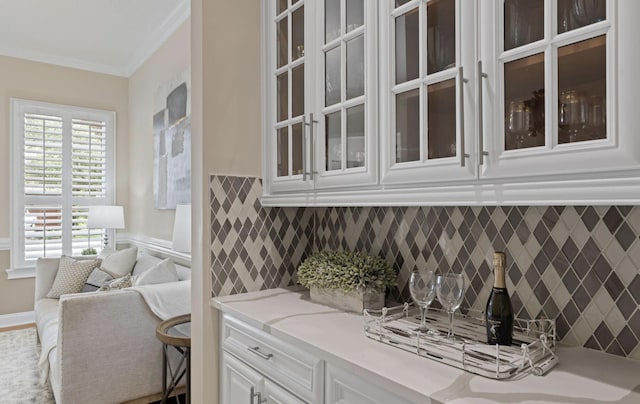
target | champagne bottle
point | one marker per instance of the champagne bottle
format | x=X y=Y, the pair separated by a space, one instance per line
x=499 y=313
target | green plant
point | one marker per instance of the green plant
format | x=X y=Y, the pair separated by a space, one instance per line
x=346 y=271
x=89 y=251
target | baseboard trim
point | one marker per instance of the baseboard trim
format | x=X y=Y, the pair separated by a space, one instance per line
x=5 y=243
x=14 y=319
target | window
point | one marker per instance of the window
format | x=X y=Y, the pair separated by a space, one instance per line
x=62 y=162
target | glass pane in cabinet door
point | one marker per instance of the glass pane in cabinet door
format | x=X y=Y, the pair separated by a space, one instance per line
x=331 y=20
x=297 y=33
x=441 y=119
x=401 y=2
x=283 y=38
x=294 y=2
x=296 y=149
x=332 y=77
x=283 y=152
x=574 y=14
x=333 y=141
x=407 y=46
x=524 y=103
x=283 y=96
x=355 y=67
x=355 y=136
x=408 y=126
x=582 y=93
x=297 y=91
x=282 y=5
x=355 y=14
x=523 y=22
x=441 y=35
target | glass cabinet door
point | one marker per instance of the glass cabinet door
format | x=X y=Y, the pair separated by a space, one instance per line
x=347 y=124
x=430 y=96
x=288 y=64
x=553 y=73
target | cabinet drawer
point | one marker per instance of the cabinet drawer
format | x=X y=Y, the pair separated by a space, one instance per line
x=285 y=364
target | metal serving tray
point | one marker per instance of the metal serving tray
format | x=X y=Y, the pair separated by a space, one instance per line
x=532 y=350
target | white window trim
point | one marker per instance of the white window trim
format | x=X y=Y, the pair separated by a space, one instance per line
x=20 y=269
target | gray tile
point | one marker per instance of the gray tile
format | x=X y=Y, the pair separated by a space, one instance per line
x=615 y=349
x=634 y=288
x=603 y=335
x=590 y=218
x=625 y=236
x=614 y=286
x=627 y=340
x=581 y=298
x=612 y=219
x=570 y=249
x=571 y=313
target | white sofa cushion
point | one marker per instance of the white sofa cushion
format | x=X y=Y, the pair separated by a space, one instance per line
x=162 y=272
x=71 y=276
x=119 y=263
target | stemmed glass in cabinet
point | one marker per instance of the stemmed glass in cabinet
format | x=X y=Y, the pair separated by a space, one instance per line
x=450 y=291
x=422 y=286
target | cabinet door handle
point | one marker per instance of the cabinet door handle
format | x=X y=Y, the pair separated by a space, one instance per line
x=304 y=148
x=252 y=394
x=481 y=75
x=256 y=350
x=311 y=148
x=463 y=154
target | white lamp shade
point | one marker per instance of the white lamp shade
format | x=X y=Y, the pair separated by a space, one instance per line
x=182 y=229
x=105 y=217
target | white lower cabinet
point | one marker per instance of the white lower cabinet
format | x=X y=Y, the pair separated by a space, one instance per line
x=258 y=368
x=342 y=387
x=241 y=384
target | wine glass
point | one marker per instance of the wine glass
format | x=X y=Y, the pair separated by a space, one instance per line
x=450 y=290
x=423 y=289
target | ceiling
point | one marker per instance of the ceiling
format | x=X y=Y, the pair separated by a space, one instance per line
x=105 y=36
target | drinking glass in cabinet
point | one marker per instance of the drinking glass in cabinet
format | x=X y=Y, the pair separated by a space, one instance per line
x=297 y=33
x=408 y=126
x=331 y=20
x=582 y=92
x=573 y=14
x=355 y=67
x=523 y=22
x=355 y=136
x=407 y=46
x=524 y=103
x=572 y=115
x=441 y=119
x=332 y=76
x=283 y=152
x=355 y=14
x=441 y=37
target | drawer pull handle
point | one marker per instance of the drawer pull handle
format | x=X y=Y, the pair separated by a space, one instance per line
x=256 y=350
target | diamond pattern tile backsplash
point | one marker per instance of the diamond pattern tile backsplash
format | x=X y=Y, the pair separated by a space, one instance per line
x=577 y=264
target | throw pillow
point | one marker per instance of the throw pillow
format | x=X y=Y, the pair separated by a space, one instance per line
x=96 y=279
x=71 y=276
x=116 y=284
x=162 y=272
x=120 y=263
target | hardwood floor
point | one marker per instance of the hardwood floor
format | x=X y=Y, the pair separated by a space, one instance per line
x=18 y=327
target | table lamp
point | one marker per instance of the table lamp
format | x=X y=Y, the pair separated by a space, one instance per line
x=105 y=217
x=182 y=229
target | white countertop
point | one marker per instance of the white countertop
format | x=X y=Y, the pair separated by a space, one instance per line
x=582 y=376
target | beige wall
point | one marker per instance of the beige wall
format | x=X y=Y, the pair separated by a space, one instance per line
x=43 y=82
x=161 y=68
x=226 y=119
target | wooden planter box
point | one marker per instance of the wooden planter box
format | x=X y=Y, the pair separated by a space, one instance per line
x=354 y=301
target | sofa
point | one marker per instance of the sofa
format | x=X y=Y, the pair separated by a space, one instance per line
x=103 y=346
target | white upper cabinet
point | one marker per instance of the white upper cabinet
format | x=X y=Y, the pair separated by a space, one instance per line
x=321 y=103
x=550 y=96
x=413 y=102
x=427 y=91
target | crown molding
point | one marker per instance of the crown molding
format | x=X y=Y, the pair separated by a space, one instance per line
x=159 y=36
x=153 y=42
